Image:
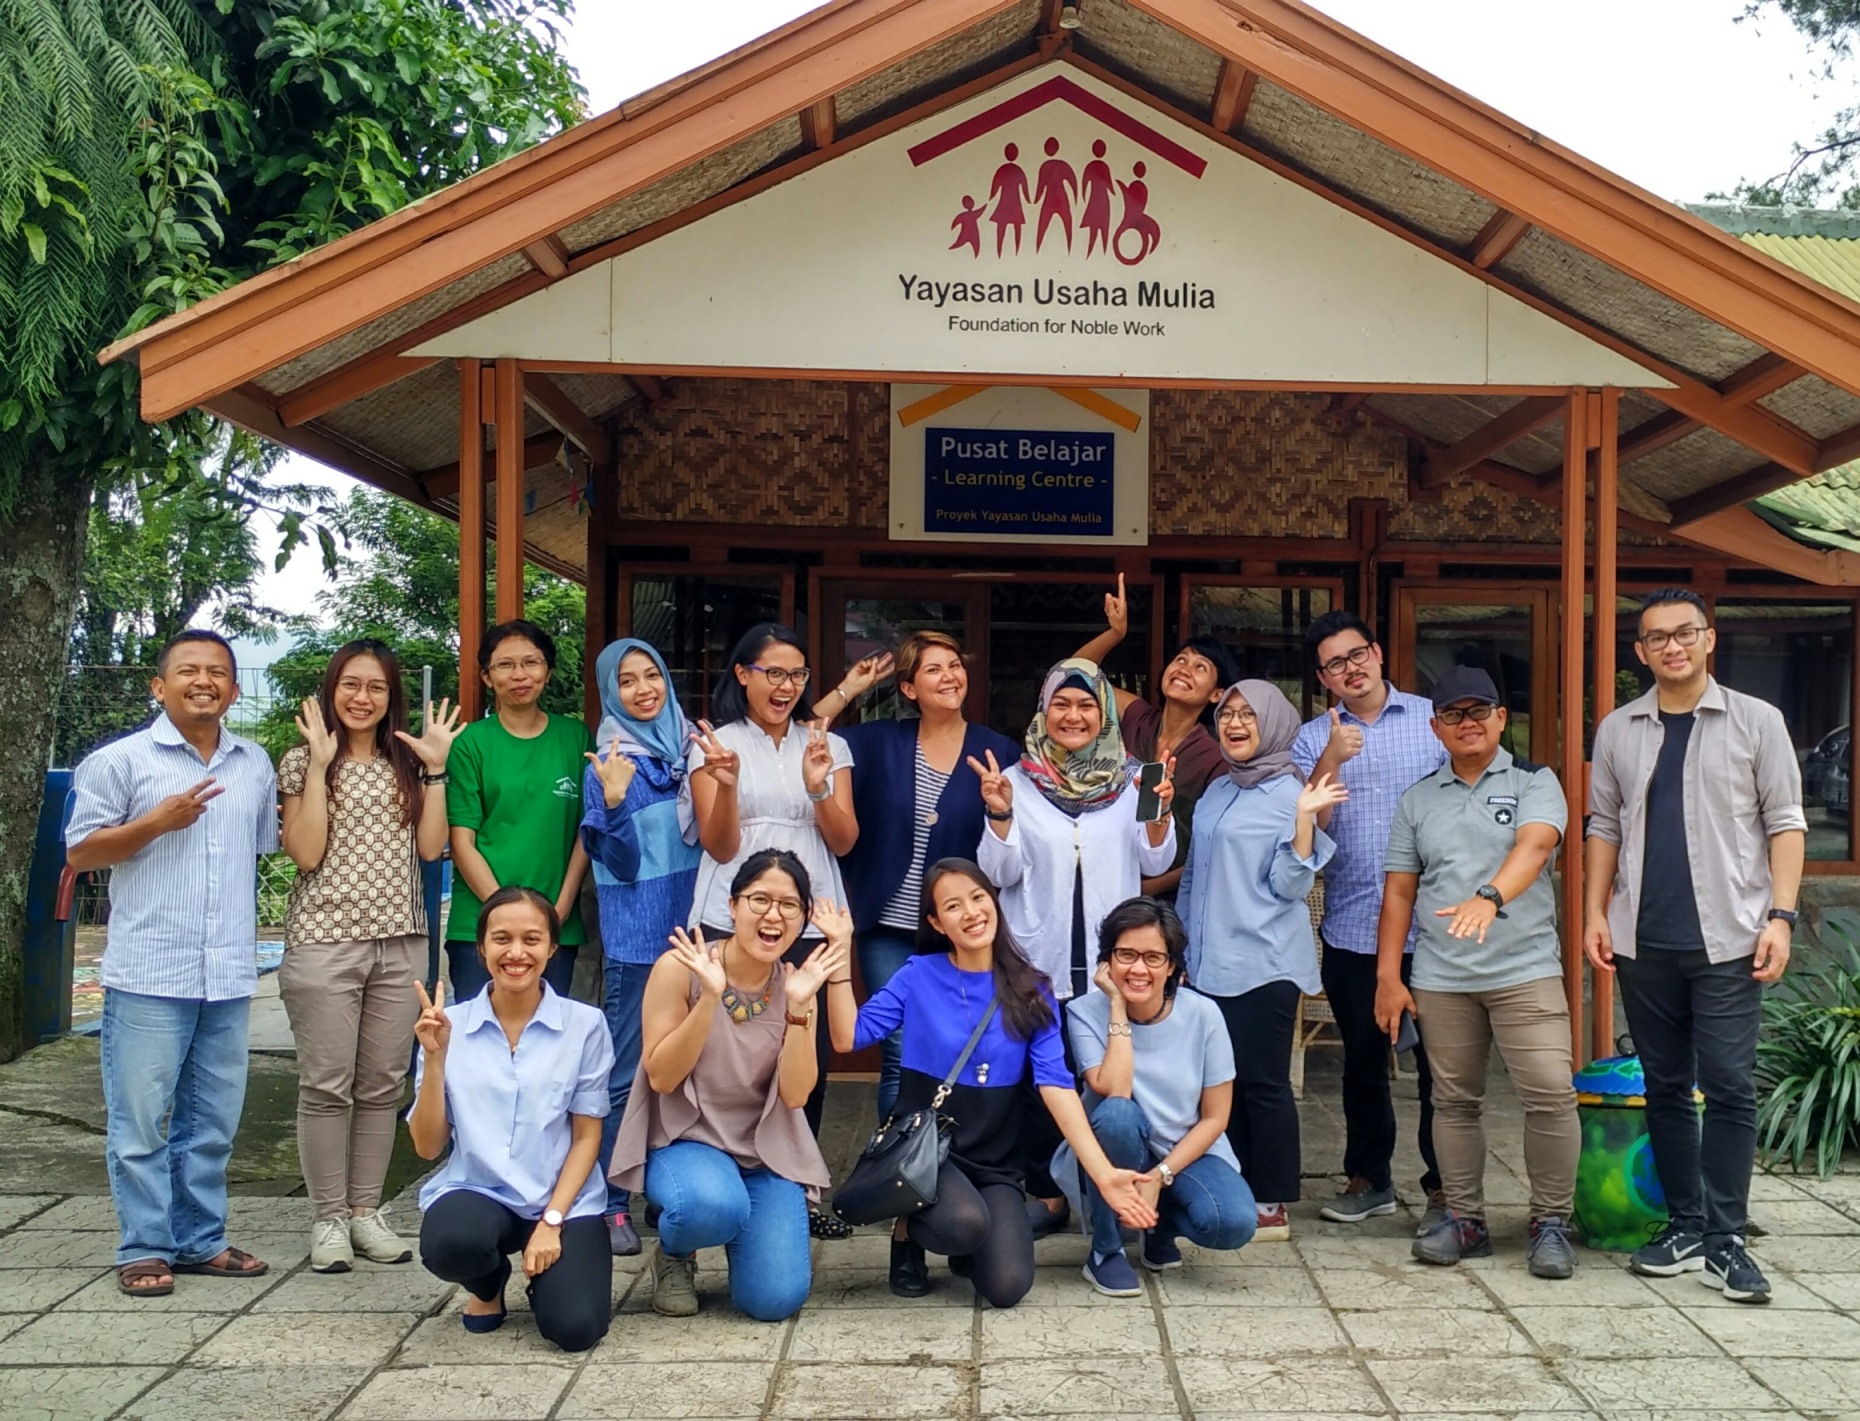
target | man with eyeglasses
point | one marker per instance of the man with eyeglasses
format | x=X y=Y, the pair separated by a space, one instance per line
x=1375 y=739
x=1468 y=865
x=1695 y=849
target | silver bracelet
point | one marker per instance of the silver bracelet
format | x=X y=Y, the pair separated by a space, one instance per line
x=1118 y=1028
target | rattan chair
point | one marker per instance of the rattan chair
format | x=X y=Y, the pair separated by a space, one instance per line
x=1314 y=1025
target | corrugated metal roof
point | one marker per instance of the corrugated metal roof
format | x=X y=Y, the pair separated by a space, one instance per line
x=1833 y=261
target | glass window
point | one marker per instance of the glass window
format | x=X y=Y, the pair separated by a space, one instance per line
x=878 y=624
x=1032 y=625
x=694 y=621
x=1799 y=657
x=1495 y=636
x=1264 y=627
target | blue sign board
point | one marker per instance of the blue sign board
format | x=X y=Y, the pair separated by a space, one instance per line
x=1015 y=482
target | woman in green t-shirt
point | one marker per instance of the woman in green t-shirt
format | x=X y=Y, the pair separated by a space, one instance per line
x=514 y=804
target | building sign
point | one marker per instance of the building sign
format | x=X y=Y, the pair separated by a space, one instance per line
x=1052 y=226
x=973 y=463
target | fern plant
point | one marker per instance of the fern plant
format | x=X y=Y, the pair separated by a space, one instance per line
x=1808 y=1060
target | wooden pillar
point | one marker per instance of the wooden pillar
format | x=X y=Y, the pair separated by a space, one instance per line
x=510 y=490
x=1575 y=518
x=471 y=536
x=603 y=495
x=1606 y=438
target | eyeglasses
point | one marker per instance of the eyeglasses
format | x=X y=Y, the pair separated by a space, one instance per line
x=1685 y=636
x=531 y=664
x=760 y=903
x=780 y=676
x=1246 y=715
x=1356 y=656
x=1455 y=714
x=350 y=687
x=1130 y=957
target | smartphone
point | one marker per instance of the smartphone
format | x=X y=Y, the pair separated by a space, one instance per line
x=1407 y=1034
x=1149 y=805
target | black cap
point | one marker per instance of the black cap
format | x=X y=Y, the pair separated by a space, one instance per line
x=1464 y=683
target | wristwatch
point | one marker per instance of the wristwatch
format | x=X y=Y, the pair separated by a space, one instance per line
x=1490 y=894
x=1785 y=915
x=1167 y=1174
x=438 y=779
x=553 y=1218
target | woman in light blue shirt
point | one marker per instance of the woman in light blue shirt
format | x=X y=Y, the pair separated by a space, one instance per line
x=1256 y=853
x=515 y=1080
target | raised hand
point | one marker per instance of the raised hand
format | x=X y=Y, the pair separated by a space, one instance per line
x=830 y=959
x=437 y=732
x=997 y=789
x=1346 y=741
x=703 y=960
x=179 y=811
x=866 y=673
x=1165 y=791
x=616 y=772
x=1321 y=794
x=317 y=735
x=1117 y=609
x=434 y=1028
x=834 y=921
x=720 y=762
x=817 y=759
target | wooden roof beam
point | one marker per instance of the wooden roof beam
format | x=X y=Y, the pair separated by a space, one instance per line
x=1838 y=449
x=1495 y=240
x=1657 y=433
x=250 y=408
x=443 y=482
x=651 y=388
x=1765 y=375
x=1750 y=425
x=819 y=123
x=1499 y=434
x=346 y=383
x=549 y=256
x=1232 y=96
x=1736 y=490
x=552 y=402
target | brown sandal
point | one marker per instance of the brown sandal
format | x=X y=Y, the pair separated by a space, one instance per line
x=235 y=1266
x=128 y=1273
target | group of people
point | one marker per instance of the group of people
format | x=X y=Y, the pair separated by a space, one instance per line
x=1084 y=951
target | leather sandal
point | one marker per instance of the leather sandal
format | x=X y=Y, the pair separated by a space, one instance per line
x=237 y=1265
x=128 y=1273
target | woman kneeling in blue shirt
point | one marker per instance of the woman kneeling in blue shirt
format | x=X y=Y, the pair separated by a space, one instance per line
x=1159 y=1081
x=515 y=1079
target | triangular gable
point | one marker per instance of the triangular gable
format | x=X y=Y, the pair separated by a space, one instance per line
x=1051 y=226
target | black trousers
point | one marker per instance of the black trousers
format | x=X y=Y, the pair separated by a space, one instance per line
x=468 y=1238
x=1040 y=1134
x=988 y=1226
x=1263 y=1128
x=1695 y=1020
x=1368 y=1109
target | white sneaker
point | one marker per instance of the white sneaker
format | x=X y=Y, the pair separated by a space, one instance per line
x=329 y=1246
x=371 y=1237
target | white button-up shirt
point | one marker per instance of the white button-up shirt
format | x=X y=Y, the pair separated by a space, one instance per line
x=184 y=907
x=509 y=1107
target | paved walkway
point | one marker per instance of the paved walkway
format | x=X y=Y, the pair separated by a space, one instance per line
x=1339 y=1322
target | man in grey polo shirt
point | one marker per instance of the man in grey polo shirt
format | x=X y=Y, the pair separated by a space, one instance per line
x=1696 y=842
x=1468 y=863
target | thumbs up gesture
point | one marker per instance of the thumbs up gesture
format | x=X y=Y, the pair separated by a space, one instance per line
x=1346 y=741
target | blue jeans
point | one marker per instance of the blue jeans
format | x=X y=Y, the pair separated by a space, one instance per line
x=624 y=991
x=882 y=951
x=1209 y=1204
x=759 y=1219
x=186 y=1060
x=469 y=977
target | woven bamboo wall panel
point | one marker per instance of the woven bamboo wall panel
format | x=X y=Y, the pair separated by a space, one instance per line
x=1474 y=512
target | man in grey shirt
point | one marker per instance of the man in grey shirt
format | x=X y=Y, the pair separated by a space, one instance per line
x=1695 y=849
x=1468 y=863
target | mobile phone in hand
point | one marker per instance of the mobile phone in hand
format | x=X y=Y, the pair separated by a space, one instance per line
x=1407 y=1034
x=1149 y=806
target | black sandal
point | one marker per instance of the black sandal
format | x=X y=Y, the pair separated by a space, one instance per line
x=821 y=1224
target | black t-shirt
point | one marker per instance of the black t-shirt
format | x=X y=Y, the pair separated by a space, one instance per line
x=1669 y=910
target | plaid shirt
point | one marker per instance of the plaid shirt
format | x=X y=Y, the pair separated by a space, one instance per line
x=1399 y=747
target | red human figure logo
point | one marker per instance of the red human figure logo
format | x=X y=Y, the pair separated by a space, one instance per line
x=1009 y=194
x=1054 y=191
x=1149 y=235
x=968 y=227
x=1096 y=186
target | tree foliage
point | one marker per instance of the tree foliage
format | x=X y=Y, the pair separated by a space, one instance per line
x=1823 y=171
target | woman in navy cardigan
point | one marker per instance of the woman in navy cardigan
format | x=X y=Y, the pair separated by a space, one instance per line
x=917 y=801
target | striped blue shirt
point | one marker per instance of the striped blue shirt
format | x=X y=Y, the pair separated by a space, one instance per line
x=184 y=908
x=1399 y=747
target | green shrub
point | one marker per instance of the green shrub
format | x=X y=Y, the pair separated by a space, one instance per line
x=1808 y=1060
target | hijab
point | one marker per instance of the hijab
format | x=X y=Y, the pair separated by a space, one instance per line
x=1276 y=729
x=657 y=744
x=1077 y=781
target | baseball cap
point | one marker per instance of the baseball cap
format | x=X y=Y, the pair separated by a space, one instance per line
x=1464 y=683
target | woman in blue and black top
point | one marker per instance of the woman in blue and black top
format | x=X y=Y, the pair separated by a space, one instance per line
x=965 y=961
x=645 y=868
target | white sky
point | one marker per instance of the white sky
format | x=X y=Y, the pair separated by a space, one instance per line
x=1672 y=94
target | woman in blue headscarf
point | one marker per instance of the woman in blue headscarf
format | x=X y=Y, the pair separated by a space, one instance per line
x=645 y=868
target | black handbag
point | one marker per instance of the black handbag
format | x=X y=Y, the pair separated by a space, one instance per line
x=895 y=1174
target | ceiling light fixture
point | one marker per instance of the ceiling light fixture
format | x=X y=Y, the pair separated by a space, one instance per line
x=1069 y=16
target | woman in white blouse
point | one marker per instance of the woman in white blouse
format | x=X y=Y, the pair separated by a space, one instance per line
x=758 y=781
x=1064 y=843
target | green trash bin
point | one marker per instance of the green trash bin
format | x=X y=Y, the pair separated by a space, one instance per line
x=1619 y=1201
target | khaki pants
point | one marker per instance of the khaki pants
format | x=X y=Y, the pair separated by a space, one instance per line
x=1530 y=1023
x=352 y=1007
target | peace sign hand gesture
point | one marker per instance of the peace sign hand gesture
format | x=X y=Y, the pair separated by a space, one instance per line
x=816 y=760
x=703 y=960
x=616 y=772
x=720 y=762
x=437 y=732
x=317 y=735
x=997 y=789
x=1117 y=609
x=434 y=1028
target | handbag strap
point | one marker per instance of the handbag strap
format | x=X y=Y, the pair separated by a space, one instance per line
x=975 y=1036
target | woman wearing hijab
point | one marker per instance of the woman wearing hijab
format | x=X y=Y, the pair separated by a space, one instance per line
x=1257 y=851
x=1065 y=845
x=645 y=871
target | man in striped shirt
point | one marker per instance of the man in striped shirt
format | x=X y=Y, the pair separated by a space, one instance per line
x=179 y=812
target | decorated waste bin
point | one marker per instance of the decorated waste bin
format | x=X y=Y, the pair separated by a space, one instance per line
x=1619 y=1201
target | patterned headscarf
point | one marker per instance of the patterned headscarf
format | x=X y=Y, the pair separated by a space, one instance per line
x=1078 y=781
x=657 y=745
x=1277 y=728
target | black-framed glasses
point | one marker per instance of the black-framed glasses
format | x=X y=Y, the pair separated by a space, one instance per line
x=1355 y=656
x=781 y=676
x=1685 y=636
x=760 y=903
x=1453 y=715
x=1130 y=957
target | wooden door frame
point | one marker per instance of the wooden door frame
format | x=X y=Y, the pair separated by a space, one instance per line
x=1408 y=592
